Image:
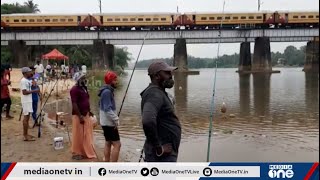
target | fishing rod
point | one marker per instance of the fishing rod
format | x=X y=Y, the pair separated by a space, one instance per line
x=214 y=88
x=134 y=67
x=42 y=108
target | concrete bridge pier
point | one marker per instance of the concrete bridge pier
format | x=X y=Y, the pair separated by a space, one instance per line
x=98 y=61
x=19 y=50
x=311 y=63
x=111 y=63
x=245 y=57
x=103 y=55
x=180 y=55
x=262 y=55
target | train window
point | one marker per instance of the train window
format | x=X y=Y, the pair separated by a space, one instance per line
x=259 y=17
x=203 y=18
x=31 y=20
x=155 y=19
x=295 y=17
x=303 y=16
x=117 y=19
x=132 y=19
x=70 y=20
x=140 y=19
x=317 y=17
x=251 y=17
x=235 y=17
x=54 y=20
x=243 y=17
x=148 y=19
x=310 y=16
x=47 y=20
x=16 y=20
x=62 y=20
x=219 y=18
x=163 y=19
x=23 y=20
x=39 y=20
x=109 y=19
x=227 y=18
x=211 y=18
x=125 y=19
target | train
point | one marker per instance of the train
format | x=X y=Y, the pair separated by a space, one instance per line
x=159 y=21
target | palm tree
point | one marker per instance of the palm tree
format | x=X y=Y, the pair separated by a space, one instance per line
x=33 y=7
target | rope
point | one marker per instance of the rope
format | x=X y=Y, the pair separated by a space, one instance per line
x=214 y=89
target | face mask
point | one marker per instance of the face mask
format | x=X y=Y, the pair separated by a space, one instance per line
x=168 y=83
x=83 y=82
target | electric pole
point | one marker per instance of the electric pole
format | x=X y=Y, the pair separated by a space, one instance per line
x=259 y=4
x=100 y=5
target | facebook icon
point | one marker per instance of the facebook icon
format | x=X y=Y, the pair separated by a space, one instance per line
x=102 y=171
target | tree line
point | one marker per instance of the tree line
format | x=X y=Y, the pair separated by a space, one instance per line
x=290 y=57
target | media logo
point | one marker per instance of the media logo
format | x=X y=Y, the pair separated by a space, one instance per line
x=144 y=171
x=280 y=171
x=154 y=171
x=207 y=171
x=102 y=171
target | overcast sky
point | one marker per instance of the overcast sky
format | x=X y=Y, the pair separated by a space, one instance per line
x=198 y=50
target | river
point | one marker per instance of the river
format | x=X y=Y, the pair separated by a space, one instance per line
x=273 y=117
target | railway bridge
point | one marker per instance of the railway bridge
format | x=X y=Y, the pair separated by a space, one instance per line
x=104 y=42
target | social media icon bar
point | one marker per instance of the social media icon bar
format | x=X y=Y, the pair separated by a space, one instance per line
x=144 y=171
x=102 y=171
x=207 y=171
x=154 y=171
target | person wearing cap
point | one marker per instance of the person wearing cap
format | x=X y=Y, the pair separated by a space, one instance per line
x=82 y=127
x=160 y=124
x=5 y=94
x=109 y=119
x=26 y=101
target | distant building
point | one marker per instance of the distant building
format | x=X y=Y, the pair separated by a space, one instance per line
x=281 y=62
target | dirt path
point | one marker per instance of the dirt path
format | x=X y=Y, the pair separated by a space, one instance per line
x=14 y=149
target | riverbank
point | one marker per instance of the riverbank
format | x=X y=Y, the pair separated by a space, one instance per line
x=14 y=149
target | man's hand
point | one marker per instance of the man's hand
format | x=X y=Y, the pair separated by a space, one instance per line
x=117 y=124
x=164 y=149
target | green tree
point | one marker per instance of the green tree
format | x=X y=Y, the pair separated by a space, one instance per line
x=18 y=8
x=122 y=56
x=34 y=8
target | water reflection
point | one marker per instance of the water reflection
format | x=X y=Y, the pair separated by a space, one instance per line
x=244 y=88
x=312 y=92
x=261 y=93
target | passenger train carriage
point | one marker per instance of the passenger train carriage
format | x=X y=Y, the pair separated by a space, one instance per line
x=157 y=21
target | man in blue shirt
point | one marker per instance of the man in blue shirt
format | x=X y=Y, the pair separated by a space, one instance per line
x=35 y=95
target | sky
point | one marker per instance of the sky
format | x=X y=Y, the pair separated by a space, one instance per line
x=164 y=51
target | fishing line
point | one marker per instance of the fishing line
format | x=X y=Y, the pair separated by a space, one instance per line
x=214 y=88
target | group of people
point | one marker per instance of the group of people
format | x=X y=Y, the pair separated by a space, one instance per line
x=160 y=123
x=5 y=93
x=53 y=71
x=30 y=93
